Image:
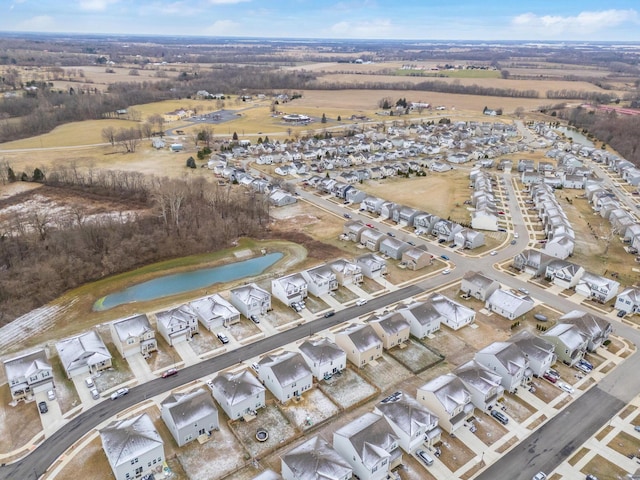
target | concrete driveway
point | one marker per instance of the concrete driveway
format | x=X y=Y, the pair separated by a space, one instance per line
x=52 y=420
x=140 y=368
x=84 y=392
x=186 y=353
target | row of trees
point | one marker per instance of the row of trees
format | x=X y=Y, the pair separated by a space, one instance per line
x=43 y=255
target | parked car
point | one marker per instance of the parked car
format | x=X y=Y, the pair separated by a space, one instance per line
x=170 y=373
x=540 y=476
x=446 y=271
x=425 y=457
x=502 y=229
x=223 y=338
x=42 y=406
x=391 y=234
x=121 y=392
x=255 y=366
x=361 y=301
x=621 y=313
x=346 y=215
x=591 y=477
x=254 y=319
x=586 y=363
x=51 y=395
x=583 y=368
x=494 y=252
x=637 y=428
x=442 y=240
x=565 y=387
x=523 y=290
x=515 y=235
x=369 y=225
x=95 y=394
x=513 y=242
x=444 y=257
x=411 y=243
x=501 y=417
x=330 y=313
x=89 y=382
x=549 y=377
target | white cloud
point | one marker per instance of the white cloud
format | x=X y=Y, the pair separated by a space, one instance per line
x=227 y=2
x=224 y=27
x=584 y=22
x=40 y=23
x=95 y=5
x=372 y=29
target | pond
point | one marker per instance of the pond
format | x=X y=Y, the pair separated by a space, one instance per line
x=185 y=282
x=576 y=136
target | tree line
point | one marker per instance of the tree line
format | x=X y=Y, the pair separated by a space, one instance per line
x=42 y=255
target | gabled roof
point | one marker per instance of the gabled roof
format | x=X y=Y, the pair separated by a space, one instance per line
x=509 y=301
x=423 y=312
x=213 y=306
x=392 y=323
x=568 y=334
x=408 y=414
x=371 y=437
x=315 y=459
x=473 y=373
x=478 y=279
x=237 y=387
x=26 y=365
x=450 y=309
x=247 y=293
x=590 y=324
x=508 y=354
x=187 y=408
x=633 y=293
x=449 y=390
x=85 y=349
x=531 y=345
x=362 y=336
x=287 y=367
x=125 y=440
x=134 y=326
x=321 y=351
x=178 y=318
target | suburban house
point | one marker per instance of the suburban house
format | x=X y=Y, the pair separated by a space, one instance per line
x=447 y=397
x=134 y=335
x=83 y=354
x=597 y=329
x=539 y=352
x=508 y=304
x=215 y=311
x=569 y=342
x=469 y=239
x=28 y=374
x=315 y=459
x=454 y=315
x=289 y=289
x=371 y=239
x=238 y=393
x=133 y=447
x=360 y=343
x=370 y=446
x=280 y=198
x=484 y=385
x=564 y=274
x=411 y=421
x=596 y=287
x=285 y=374
x=353 y=230
x=320 y=280
x=533 y=262
x=393 y=329
x=628 y=300
x=178 y=324
x=508 y=361
x=416 y=258
x=189 y=415
x=323 y=357
x=423 y=319
x=393 y=248
x=347 y=273
x=250 y=300
x=484 y=219
x=478 y=285
x=560 y=246
x=372 y=265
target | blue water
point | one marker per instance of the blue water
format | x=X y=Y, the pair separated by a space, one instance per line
x=185 y=282
x=576 y=136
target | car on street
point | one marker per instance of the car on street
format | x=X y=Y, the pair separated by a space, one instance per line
x=549 y=377
x=513 y=242
x=500 y=213
x=591 y=477
x=446 y=271
x=502 y=229
x=501 y=417
x=223 y=338
x=121 y=392
x=369 y=225
x=565 y=387
x=411 y=243
x=637 y=428
x=515 y=235
x=425 y=457
x=494 y=252
x=523 y=290
x=346 y=215
x=51 y=395
x=391 y=234
x=444 y=257
x=42 y=406
x=330 y=313
x=170 y=373
x=442 y=240
x=540 y=476
x=361 y=301
x=255 y=366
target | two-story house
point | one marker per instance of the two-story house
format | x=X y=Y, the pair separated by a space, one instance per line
x=133 y=335
x=360 y=342
x=372 y=265
x=539 y=352
x=189 y=415
x=178 y=324
x=290 y=289
x=478 y=285
x=238 y=393
x=423 y=319
x=448 y=398
x=28 y=374
x=596 y=328
x=508 y=361
x=133 y=447
x=508 y=304
x=596 y=287
x=83 y=354
x=315 y=458
x=416 y=258
x=454 y=315
x=628 y=300
x=570 y=343
x=285 y=374
x=251 y=300
x=484 y=385
x=215 y=311
x=347 y=273
x=323 y=357
x=393 y=329
x=320 y=280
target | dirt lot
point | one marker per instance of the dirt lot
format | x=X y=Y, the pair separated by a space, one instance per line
x=348 y=389
x=313 y=408
x=415 y=357
x=18 y=424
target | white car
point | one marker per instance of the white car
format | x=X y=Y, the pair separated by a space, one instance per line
x=51 y=395
x=121 y=392
x=565 y=387
x=495 y=252
x=540 y=476
x=515 y=235
x=361 y=301
x=446 y=271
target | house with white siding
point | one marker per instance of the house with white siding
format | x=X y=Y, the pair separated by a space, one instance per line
x=570 y=343
x=214 y=311
x=484 y=385
x=84 y=354
x=251 y=300
x=321 y=280
x=423 y=319
x=539 y=352
x=285 y=374
x=133 y=335
x=508 y=361
x=597 y=287
x=238 y=393
x=372 y=265
x=596 y=328
x=508 y=304
x=454 y=315
x=315 y=458
x=447 y=397
x=178 y=324
x=324 y=357
x=478 y=285
x=289 y=289
x=189 y=415
x=628 y=300
x=347 y=273
x=28 y=374
x=393 y=329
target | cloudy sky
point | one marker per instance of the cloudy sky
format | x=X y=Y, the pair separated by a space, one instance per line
x=615 y=20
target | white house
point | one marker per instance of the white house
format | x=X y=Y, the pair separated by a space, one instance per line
x=423 y=319
x=324 y=357
x=215 y=311
x=508 y=361
x=285 y=374
x=347 y=273
x=238 y=393
x=315 y=459
x=133 y=335
x=596 y=328
x=250 y=300
x=484 y=219
x=83 y=354
x=189 y=415
x=569 y=342
x=454 y=315
x=28 y=374
x=370 y=446
x=447 y=397
x=178 y=324
x=596 y=287
x=508 y=304
x=564 y=274
x=484 y=385
x=393 y=329
x=372 y=265
x=410 y=421
x=133 y=447
x=360 y=342
x=320 y=280
x=628 y=300
x=478 y=285
x=289 y=289
x=539 y=352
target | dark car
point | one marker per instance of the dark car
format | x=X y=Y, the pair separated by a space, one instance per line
x=411 y=243
x=513 y=242
x=391 y=234
x=501 y=417
x=170 y=373
x=254 y=319
x=444 y=257
x=42 y=406
x=346 y=215
x=330 y=313
x=621 y=313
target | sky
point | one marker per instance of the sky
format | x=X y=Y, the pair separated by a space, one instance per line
x=595 y=20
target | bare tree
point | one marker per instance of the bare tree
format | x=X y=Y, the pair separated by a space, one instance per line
x=109 y=135
x=128 y=139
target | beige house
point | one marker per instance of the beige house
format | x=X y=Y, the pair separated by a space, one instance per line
x=393 y=329
x=360 y=342
x=133 y=335
x=416 y=258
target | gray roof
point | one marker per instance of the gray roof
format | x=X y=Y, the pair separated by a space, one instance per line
x=287 y=367
x=473 y=373
x=588 y=323
x=134 y=326
x=321 y=351
x=316 y=459
x=371 y=259
x=179 y=318
x=569 y=334
x=342 y=265
x=633 y=293
x=449 y=390
x=186 y=408
x=508 y=354
x=509 y=301
x=26 y=365
x=423 y=312
x=363 y=337
x=268 y=475
x=237 y=387
x=392 y=323
x=415 y=252
x=478 y=279
x=247 y=292
x=371 y=437
x=213 y=306
x=408 y=414
x=531 y=345
x=85 y=349
x=125 y=440
x=448 y=308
